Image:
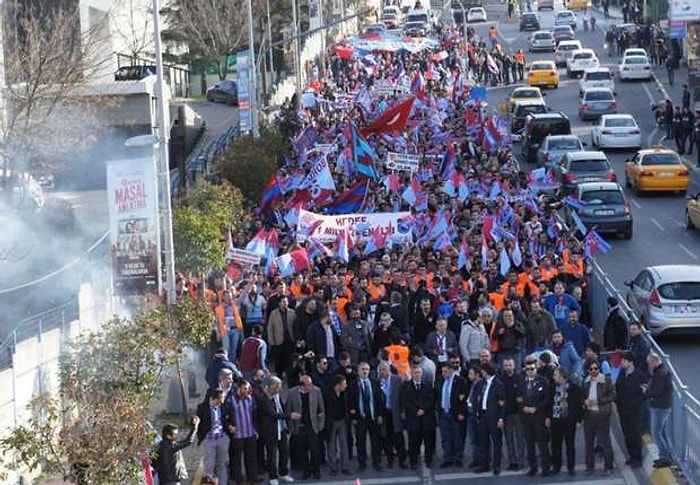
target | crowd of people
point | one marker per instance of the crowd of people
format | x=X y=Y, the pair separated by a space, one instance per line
x=479 y=331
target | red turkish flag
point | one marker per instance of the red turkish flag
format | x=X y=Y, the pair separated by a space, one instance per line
x=393 y=120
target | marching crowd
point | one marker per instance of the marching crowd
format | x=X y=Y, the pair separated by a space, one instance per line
x=479 y=332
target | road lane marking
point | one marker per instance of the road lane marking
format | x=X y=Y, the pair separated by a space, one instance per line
x=635 y=203
x=679 y=223
x=657 y=224
x=688 y=251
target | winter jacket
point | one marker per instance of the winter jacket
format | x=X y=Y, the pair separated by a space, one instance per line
x=660 y=390
x=569 y=360
x=472 y=339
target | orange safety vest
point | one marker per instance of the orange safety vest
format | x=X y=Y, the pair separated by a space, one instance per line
x=398 y=356
x=575 y=268
x=497 y=300
x=376 y=292
x=221 y=319
x=519 y=58
x=549 y=274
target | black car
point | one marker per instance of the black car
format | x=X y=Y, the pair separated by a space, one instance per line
x=224 y=92
x=529 y=21
x=134 y=73
x=520 y=112
x=537 y=127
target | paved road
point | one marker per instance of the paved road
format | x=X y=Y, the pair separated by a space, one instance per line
x=660 y=234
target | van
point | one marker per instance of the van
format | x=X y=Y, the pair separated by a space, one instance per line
x=537 y=127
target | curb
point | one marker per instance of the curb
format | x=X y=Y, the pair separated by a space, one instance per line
x=658 y=476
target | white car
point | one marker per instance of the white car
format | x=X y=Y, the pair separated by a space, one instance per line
x=597 y=77
x=476 y=14
x=392 y=9
x=565 y=17
x=635 y=67
x=581 y=60
x=616 y=131
x=564 y=51
x=542 y=40
x=635 y=51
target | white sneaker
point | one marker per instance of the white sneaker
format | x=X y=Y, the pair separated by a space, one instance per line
x=287 y=479
x=274 y=481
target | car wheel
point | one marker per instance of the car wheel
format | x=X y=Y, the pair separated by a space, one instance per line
x=688 y=221
x=628 y=233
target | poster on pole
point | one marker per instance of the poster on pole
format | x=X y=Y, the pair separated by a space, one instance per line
x=133 y=211
x=396 y=225
x=245 y=114
x=406 y=162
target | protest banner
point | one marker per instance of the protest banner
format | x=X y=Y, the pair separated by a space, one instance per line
x=407 y=162
x=397 y=225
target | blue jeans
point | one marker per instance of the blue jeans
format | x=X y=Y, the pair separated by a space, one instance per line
x=659 y=431
x=231 y=342
x=452 y=438
x=477 y=454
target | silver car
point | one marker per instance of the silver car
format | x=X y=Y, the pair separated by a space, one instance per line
x=667 y=298
x=595 y=103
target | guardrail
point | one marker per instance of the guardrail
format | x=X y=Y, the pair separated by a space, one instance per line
x=685 y=413
x=199 y=164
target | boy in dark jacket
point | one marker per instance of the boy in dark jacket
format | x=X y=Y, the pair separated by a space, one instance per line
x=168 y=461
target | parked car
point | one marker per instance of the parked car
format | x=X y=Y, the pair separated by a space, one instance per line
x=666 y=298
x=225 y=91
x=529 y=21
x=563 y=32
x=584 y=166
x=542 y=40
x=565 y=17
x=596 y=77
x=616 y=131
x=521 y=111
x=543 y=74
x=537 y=128
x=692 y=212
x=658 y=169
x=581 y=60
x=565 y=50
x=596 y=102
x=604 y=207
x=554 y=147
x=635 y=67
x=476 y=14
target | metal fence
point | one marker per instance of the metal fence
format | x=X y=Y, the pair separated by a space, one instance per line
x=685 y=414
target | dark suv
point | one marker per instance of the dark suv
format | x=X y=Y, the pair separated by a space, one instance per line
x=537 y=127
x=529 y=21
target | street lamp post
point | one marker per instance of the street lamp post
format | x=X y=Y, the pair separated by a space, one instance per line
x=297 y=52
x=163 y=167
x=252 y=72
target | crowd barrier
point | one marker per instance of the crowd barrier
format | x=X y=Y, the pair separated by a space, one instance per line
x=685 y=414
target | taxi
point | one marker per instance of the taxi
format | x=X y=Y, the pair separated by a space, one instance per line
x=577 y=4
x=525 y=94
x=657 y=169
x=543 y=73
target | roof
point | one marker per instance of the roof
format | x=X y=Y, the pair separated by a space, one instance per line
x=563 y=137
x=586 y=186
x=675 y=272
x=656 y=149
x=586 y=155
x=617 y=116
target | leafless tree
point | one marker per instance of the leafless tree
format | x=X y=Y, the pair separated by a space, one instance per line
x=132 y=25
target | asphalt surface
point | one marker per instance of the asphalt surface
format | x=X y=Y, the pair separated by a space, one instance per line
x=660 y=235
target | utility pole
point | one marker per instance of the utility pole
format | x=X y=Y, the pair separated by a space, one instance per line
x=297 y=52
x=163 y=166
x=269 y=39
x=253 y=74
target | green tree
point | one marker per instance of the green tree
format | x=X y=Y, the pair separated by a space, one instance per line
x=249 y=163
x=200 y=221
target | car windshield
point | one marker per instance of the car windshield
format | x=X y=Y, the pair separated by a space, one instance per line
x=413 y=25
x=599 y=197
x=682 y=290
x=588 y=166
x=541 y=129
x=526 y=93
x=564 y=16
x=388 y=16
x=563 y=30
x=583 y=55
x=541 y=66
x=523 y=111
x=620 y=123
x=417 y=18
x=635 y=60
x=598 y=76
x=598 y=96
x=543 y=36
x=529 y=16
x=565 y=144
x=661 y=159
x=568 y=47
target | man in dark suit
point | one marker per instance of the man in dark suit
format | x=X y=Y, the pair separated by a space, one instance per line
x=215 y=417
x=491 y=417
x=533 y=398
x=630 y=401
x=392 y=430
x=273 y=431
x=440 y=342
x=417 y=408
x=366 y=403
x=451 y=404
x=323 y=339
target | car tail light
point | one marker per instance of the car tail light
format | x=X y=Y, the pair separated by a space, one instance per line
x=646 y=173
x=612 y=105
x=570 y=177
x=654 y=299
x=552 y=73
x=585 y=107
x=683 y=173
x=607 y=132
x=611 y=176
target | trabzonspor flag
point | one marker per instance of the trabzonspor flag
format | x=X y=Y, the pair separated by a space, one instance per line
x=363 y=156
x=292 y=262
